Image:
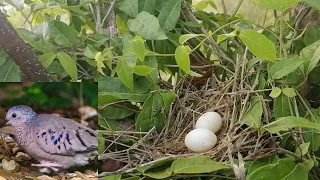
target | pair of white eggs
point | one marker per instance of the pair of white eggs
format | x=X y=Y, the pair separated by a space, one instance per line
x=203 y=137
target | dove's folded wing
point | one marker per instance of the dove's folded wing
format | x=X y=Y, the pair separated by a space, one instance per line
x=63 y=136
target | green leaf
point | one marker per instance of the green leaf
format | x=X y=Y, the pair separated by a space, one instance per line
x=309 y=164
x=203 y=4
x=117 y=112
x=142 y=70
x=90 y=52
x=139 y=48
x=191 y=73
x=46 y=59
x=69 y=65
x=36 y=42
x=262 y=162
x=114 y=177
x=258 y=44
x=159 y=174
x=147 y=26
x=125 y=73
x=3 y=57
x=9 y=72
x=170 y=14
x=289 y=122
x=281 y=106
x=63 y=34
x=108 y=57
x=253 y=117
x=153 y=109
x=312 y=35
x=184 y=38
x=101 y=143
x=278 y=4
x=275 y=92
x=284 y=67
x=284 y=169
x=199 y=164
x=147 y=6
x=182 y=58
x=107 y=123
x=159 y=164
x=222 y=37
x=98 y=57
x=130 y=7
x=313 y=3
x=111 y=89
x=310 y=56
x=312 y=135
x=289 y=92
x=252 y=62
x=303 y=149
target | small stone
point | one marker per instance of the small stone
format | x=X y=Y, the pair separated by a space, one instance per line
x=76 y=178
x=87 y=112
x=15 y=149
x=10 y=165
x=7 y=138
x=23 y=156
x=44 y=177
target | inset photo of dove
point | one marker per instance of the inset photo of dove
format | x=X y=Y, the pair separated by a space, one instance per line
x=57 y=143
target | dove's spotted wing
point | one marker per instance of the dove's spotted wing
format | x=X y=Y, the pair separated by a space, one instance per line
x=58 y=135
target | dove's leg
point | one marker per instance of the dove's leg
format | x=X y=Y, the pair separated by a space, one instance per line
x=46 y=164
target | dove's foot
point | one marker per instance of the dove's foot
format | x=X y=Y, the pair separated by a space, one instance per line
x=48 y=167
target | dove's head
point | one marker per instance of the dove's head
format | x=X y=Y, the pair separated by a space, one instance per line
x=20 y=114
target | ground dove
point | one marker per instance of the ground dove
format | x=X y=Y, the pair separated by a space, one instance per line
x=57 y=143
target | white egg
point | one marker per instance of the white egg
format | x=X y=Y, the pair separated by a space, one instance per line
x=210 y=120
x=200 y=140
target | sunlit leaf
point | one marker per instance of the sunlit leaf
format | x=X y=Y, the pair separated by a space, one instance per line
x=139 y=47
x=275 y=92
x=142 y=70
x=303 y=149
x=182 y=58
x=258 y=44
x=290 y=92
x=125 y=73
x=278 y=4
x=204 y=4
x=184 y=38
x=99 y=60
x=69 y=65
x=46 y=59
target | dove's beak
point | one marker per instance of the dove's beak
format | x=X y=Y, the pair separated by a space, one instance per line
x=3 y=123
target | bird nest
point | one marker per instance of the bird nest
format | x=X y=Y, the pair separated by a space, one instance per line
x=230 y=98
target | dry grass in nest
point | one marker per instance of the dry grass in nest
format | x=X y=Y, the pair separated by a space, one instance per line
x=230 y=98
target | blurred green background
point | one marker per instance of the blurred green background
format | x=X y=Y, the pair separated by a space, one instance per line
x=49 y=95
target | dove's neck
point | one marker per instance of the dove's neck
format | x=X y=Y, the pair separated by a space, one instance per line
x=22 y=133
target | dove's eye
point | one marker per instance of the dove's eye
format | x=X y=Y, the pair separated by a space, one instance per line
x=14 y=115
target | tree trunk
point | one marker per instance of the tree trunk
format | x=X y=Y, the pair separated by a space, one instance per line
x=21 y=53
